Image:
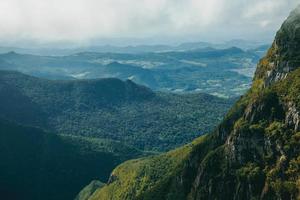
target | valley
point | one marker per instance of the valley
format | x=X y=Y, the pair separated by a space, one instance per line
x=254 y=153
x=41 y=165
x=215 y=120
x=56 y=136
x=221 y=72
x=110 y=109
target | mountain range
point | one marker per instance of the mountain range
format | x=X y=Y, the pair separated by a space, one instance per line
x=109 y=108
x=56 y=136
x=220 y=72
x=253 y=154
x=132 y=49
x=133 y=125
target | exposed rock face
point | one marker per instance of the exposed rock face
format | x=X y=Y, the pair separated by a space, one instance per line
x=283 y=57
x=253 y=154
x=263 y=113
x=266 y=125
x=292 y=117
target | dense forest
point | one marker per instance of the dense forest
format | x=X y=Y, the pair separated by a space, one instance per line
x=224 y=71
x=111 y=109
x=253 y=154
x=40 y=165
x=58 y=136
x=149 y=100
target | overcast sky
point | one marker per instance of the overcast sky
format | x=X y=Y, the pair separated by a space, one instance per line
x=83 y=21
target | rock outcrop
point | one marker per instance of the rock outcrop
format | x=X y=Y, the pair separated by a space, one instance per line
x=253 y=154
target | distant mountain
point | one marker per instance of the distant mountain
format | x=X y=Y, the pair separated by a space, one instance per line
x=208 y=53
x=133 y=49
x=37 y=165
x=243 y=44
x=253 y=154
x=109 y=108
x=260 y=50
x=193 y=45
x=221 y=72
x=89 y=127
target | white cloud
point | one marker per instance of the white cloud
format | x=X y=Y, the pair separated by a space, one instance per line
x=264 y=23
x=83 y=20
x=263 y=8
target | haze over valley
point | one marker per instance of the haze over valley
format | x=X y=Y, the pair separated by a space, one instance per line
x=149 y=100
x=220 y=70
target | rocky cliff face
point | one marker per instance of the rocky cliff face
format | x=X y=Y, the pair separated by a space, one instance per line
x=253 y=154
x=260 y=139
x=284 y=55
x=282 y=58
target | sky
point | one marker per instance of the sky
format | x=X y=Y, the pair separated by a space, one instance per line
x=85 y=22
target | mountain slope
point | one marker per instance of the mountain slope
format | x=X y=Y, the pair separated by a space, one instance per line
x=221 y=72
x=88 y=190
x=109 y=108
x=37 y=165
x=253 y=154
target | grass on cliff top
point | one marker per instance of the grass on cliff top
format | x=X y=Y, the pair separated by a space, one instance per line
x=289 y=89
x=135 y=178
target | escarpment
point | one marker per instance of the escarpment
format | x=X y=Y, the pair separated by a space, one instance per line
x=283 y=56
x=260 y=140
x=253 y=154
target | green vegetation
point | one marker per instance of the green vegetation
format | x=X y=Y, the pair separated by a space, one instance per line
x=37 y=165
x=87 y=191
x=111 y=109
x=149 y=178
x=288 y=89
x=253 y=154
x=100 y=123
x=259 y=159
x=223 y=72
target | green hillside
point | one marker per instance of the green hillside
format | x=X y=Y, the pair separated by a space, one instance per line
x=253 y=154
x=88 y=190
x=110 y=109
x=222 y=70
x=36 y=165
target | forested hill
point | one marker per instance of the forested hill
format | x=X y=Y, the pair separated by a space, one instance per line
x=37 y=165
x=109 y=108
x=217 y=71
x=253 y=154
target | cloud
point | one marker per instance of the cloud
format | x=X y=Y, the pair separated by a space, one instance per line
x=85 y=20
x=263 y=8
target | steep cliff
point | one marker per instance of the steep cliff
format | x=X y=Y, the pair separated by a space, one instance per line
x=253 y=154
